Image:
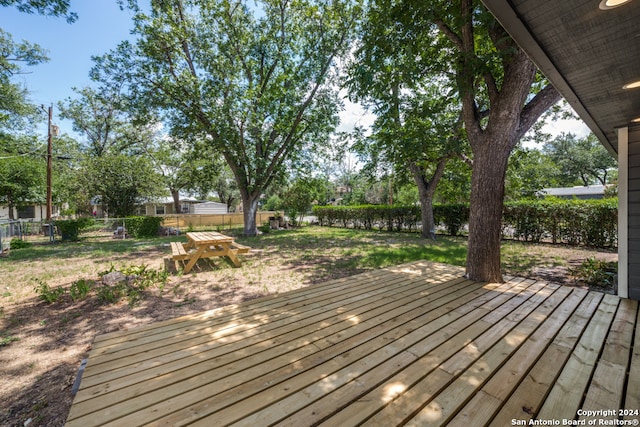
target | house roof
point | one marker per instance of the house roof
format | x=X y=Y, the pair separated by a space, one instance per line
x=591 y=190
x=167 y=200
x=588 y=54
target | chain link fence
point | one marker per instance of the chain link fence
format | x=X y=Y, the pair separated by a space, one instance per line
x=116 y=228
x=24 y=230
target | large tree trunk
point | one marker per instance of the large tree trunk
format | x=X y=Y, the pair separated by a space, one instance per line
x=485 y=218
x=511 y=116
x=11 y=206
x=176 y=200
x=249 y=210
x=426 y=190
x=229 y=202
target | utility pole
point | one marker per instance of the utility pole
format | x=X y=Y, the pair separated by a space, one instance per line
x=49 y=163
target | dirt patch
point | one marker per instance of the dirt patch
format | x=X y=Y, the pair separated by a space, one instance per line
x=552 y=263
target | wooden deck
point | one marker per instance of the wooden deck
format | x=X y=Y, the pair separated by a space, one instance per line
x=412 y=345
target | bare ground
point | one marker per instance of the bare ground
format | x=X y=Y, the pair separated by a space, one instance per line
x=45 y=343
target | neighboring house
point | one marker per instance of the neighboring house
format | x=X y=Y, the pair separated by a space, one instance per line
x=578 y=192
x=165 y=206
x=34 y=212
x=589 y=51
x=210 y=208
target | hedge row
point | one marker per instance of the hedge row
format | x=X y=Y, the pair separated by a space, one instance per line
x=574 y=222
x=397 y=218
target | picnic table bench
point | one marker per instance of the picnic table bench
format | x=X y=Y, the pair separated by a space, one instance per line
x=207 y=244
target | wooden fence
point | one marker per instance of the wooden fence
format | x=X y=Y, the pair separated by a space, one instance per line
x=188 y=221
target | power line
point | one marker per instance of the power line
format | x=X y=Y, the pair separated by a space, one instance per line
x=23 y=154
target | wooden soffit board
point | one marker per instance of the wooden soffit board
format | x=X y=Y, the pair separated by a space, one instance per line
x=588 y=54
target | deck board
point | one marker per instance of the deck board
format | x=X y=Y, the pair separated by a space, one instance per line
x=567 y=393
x=415 y=344
x=632 y=398
x=606 y=389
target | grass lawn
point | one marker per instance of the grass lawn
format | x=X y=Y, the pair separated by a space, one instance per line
x=41 y=345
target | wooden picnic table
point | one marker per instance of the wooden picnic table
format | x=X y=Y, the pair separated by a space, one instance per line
x=207 y=244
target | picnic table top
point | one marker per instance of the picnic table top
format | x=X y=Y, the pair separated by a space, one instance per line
x=208 y=237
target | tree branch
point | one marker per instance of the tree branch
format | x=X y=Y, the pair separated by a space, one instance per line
x=536 y=107
x=466 y=159
x=451 y=35
x=492 y=88
x=466 y=77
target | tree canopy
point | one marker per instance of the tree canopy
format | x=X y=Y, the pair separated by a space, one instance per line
x=22 y=174
x=580 y=160
x=16 y=111
x=102 y=117
x=120 y=181
x=252 y=79
x=58 y=8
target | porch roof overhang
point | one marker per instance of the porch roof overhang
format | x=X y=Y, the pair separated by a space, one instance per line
x=587 y=53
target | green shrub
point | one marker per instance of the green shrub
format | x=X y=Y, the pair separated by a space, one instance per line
x=574 y=222
x=369 y=216
x=144 y=278
x=596 y=272
x=273 y=203
x=70 y=229
x=265 y=228
x=17 y=243
x=139 y=279
x=143 y=226
x=47 y=293
x=453 y=217
x=110 y=294
x=80 y=289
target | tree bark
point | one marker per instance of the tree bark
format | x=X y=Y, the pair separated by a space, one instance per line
x=485 y=217
x=176 y=200
x=249 y=210
x=426 y=190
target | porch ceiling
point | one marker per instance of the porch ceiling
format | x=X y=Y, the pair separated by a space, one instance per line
x=587 y=53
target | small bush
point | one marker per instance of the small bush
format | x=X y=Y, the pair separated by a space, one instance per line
x=110 y=294
x=5 y=340
x=80 y=289
x=19 y=244
x=143 y=226
x=265 y=228
x=575 y=222
x=70 y=229
x=453 y=216
x=47 y=293
x=144 y=278
x=596 y=272
x=369 y=216
x=590 y=223
x=139 y=279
